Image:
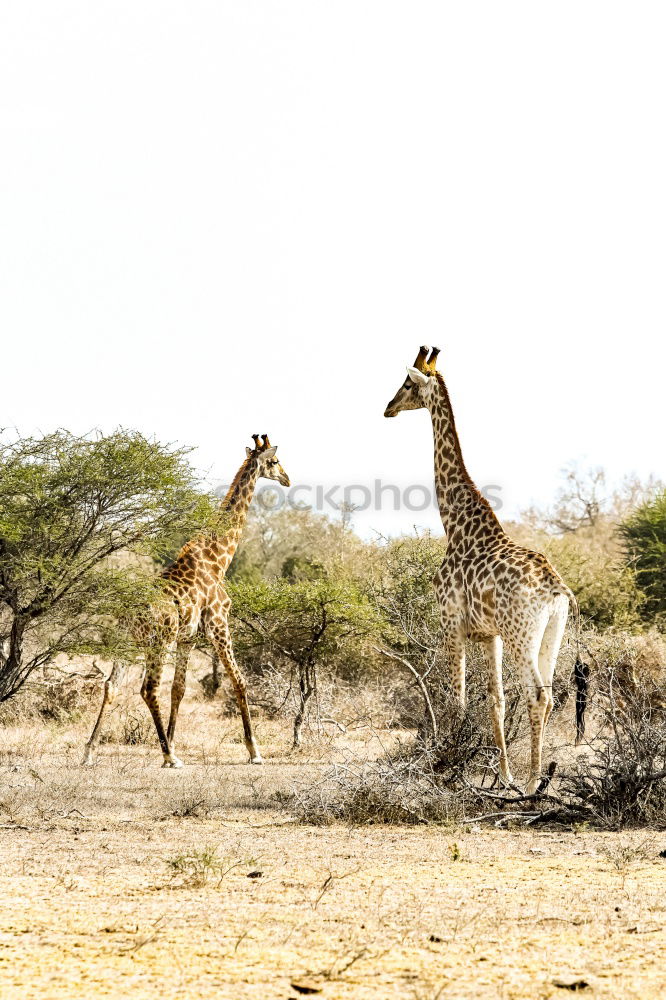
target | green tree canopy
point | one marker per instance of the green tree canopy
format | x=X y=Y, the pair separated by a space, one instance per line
x=644 y=534
x=68 y=506
x=403 y=591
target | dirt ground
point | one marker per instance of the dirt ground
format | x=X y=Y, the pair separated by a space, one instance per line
x=126 y=880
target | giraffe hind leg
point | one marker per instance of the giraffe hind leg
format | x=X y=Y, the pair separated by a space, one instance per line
x=549 y=649
x=525 y=655
x=111 y=685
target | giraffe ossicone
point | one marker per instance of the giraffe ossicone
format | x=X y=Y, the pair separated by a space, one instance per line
x=193 y=599
x=489 y=589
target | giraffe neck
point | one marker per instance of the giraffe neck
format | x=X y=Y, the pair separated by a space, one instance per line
x=233 y=511
x=458 y=498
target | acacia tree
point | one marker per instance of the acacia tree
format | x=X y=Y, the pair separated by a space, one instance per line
x=309 y=622
x=68 y=504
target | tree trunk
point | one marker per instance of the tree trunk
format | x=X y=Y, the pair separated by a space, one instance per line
x=306 y=689
x=13 y=671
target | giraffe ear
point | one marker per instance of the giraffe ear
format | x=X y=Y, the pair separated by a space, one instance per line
x=248 y=452
x=418 y=377
x=270 y=452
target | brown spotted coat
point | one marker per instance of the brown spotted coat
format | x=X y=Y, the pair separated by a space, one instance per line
x=490 y=590
x=193 y=599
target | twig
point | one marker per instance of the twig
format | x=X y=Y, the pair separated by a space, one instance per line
x=419 y=680
x=498 y=815
x=333 y=722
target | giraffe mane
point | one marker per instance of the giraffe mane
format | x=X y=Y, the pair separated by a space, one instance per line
x=458 y=450
x=235 y=483
x=216 y=530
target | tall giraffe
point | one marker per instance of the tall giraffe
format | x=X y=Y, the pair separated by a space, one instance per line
x=490 y=590
x=193 y=599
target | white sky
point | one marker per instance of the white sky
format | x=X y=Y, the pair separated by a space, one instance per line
x=219 y=218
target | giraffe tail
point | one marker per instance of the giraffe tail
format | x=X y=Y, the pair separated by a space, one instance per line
x=581 y=675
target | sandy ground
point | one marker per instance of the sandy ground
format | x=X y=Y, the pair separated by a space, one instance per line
x=126 y=880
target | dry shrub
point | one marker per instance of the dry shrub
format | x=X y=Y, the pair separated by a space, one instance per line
x=621 y=780
x=28 y=795
x=19 y=709
x=464 y=744
x=628 y=666
x=138 y=730
x=128 y=727
x=428 y=780
x=198 y=796
x=15 y=802
x=52 y=696
x=390 y=790
x=65 y=698
x=338 y=704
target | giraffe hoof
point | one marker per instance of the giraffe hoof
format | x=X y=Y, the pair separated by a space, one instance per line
x=256 y=759
x=172 y=762
x=88 y=760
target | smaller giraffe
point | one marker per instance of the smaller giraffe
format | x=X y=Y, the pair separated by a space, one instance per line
x=193 y=599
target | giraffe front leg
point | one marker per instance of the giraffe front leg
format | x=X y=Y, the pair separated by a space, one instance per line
x=149 y=692
x=453 y=652
x=220 y=637
x=493 y=653
x=183 y=651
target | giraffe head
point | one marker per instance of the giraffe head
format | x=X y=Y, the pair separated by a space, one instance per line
x=411 y=394
x=269 y=467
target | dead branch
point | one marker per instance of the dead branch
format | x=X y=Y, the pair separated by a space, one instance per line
x=419 y=680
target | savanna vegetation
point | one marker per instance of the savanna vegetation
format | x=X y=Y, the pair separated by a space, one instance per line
x=381 y=637
x=335 y=632
x=293 y=878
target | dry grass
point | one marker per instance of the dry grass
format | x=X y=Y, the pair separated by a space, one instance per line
x=126 y=880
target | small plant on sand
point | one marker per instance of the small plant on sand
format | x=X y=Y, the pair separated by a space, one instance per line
x=625 y=855
x=195 y=868
x=191 y=803
x=455 y=852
